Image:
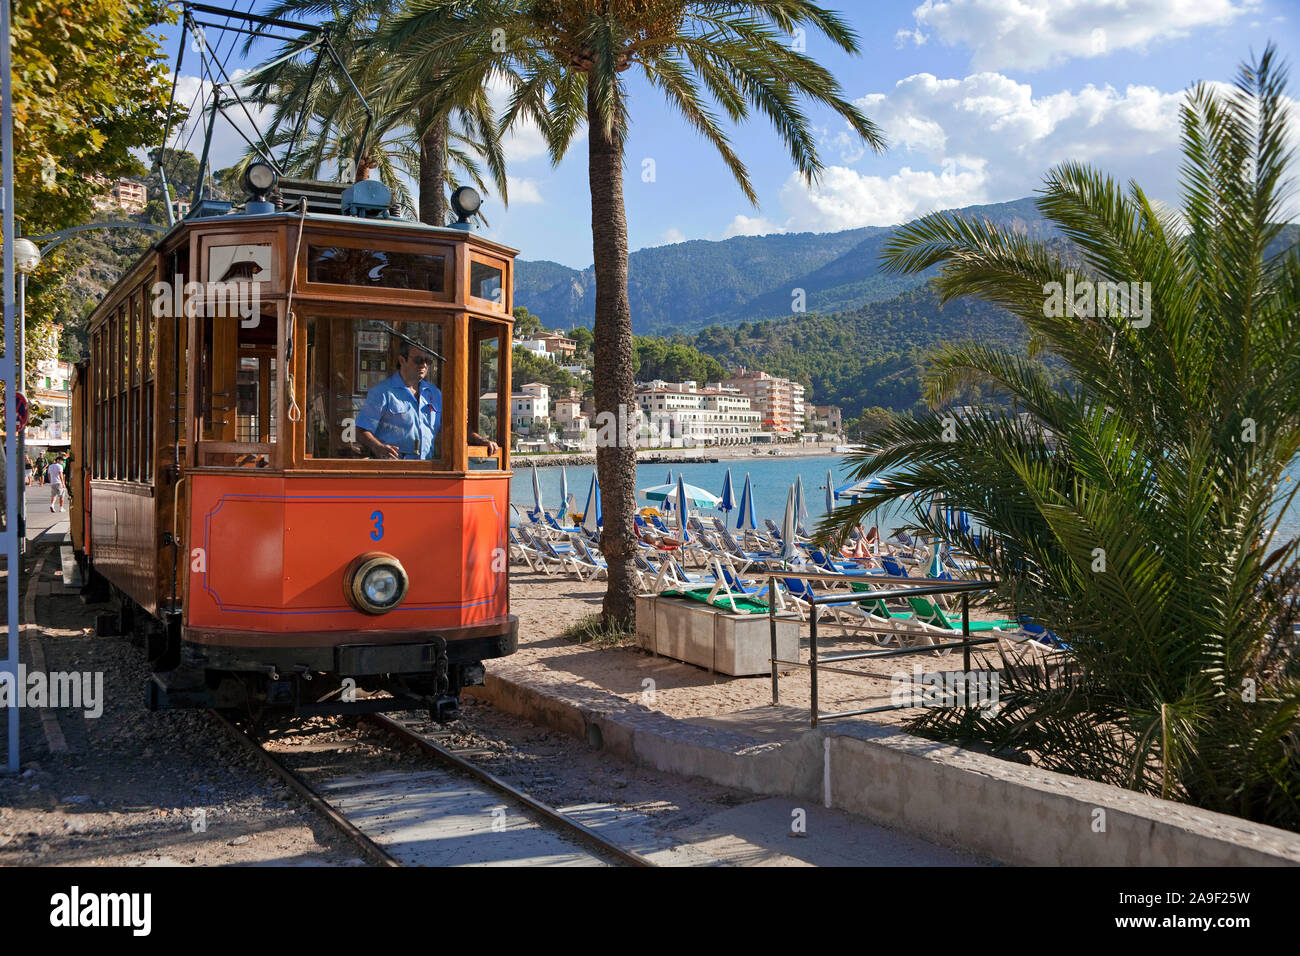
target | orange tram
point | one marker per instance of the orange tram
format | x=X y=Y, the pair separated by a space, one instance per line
x=275 y=525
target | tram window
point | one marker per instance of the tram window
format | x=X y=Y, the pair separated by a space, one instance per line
x=255 y=396
x=236 y=399
x=485 y=281
x=356 y=376
x=485 y=391
x=376 y=268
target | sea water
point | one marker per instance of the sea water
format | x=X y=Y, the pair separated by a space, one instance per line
x=770 y=480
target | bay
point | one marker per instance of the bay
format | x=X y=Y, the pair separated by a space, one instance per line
x=771 y=479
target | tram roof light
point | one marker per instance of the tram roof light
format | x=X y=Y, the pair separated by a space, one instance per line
x=465 y=202
x=259 y=179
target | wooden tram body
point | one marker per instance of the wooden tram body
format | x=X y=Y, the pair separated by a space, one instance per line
x=223 y=496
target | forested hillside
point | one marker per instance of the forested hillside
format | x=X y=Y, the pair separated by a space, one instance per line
x=690 y=285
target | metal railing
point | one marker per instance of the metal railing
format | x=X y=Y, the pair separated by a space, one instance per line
x=894 y=588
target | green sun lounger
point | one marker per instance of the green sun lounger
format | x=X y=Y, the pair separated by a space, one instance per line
x=930 y=613
x=743 y=603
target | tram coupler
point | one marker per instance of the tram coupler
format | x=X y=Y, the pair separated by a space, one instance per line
x=444 y=709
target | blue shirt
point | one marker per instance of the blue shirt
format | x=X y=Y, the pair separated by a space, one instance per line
x=392 y=415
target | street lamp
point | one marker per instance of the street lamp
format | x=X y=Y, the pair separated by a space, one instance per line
x=27 y=259
x=27 y=256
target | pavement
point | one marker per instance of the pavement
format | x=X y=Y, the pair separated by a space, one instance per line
x=40 y=521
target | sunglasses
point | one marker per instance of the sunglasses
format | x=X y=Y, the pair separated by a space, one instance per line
x=426 y=360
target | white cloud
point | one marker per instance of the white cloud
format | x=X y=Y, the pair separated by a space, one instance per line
x=750 y=226
x=988 y=138
x=847 y=199
x=671 y=236
x=523 y=191
x=1034 y=34
x=915 y=37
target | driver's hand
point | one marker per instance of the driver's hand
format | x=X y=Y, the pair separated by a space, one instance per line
x=493 y=447
x=390 y=451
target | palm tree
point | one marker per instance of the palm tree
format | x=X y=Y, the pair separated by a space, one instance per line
x=565 y=63
x=438 y=146
x=1135 y=515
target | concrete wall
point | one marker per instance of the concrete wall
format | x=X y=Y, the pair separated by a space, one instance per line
x=950 y=796
x=1023 y=815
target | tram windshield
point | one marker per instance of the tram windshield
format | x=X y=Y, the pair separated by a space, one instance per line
x=374 y=389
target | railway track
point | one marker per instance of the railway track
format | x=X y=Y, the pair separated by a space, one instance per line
x=457 y=813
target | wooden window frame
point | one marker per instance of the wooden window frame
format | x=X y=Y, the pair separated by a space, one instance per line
x=454 y=426
x=484 y=330
x=361 y=293
x=507 y=282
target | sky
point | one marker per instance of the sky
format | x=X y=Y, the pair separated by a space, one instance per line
x=978 y=99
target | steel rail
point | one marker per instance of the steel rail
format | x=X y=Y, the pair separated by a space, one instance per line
x=372 y=849
x=547 y=812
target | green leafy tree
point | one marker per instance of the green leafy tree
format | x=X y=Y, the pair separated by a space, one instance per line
x=526 y=323
x=584 y=339
x=565 y=63
x=88 y=88
x=1135 y=516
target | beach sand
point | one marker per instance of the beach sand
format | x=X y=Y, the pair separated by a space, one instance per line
x=547 y=606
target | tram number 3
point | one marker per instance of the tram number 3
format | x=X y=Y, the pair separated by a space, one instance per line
x=378 y=518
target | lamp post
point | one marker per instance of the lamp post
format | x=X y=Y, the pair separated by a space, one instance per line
x=27 y=259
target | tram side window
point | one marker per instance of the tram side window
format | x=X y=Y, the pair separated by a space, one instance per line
x=237 y=394
x=363 y=376
x=486 y=387
x=485 y=281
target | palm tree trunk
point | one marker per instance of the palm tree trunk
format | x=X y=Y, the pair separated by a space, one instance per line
x=433 y=170
x=615 y=461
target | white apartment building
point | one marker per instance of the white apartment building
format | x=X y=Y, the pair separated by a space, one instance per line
x=530 y=403
x=50 y=388
x=681 y=413
x=779 y=401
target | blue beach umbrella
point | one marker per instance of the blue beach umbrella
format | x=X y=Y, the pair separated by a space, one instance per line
x=537 y=490
x=564 y=495
x=746 y=520
x=727 y=504
x=669 y=479
x=830 y=492
x=591 y=513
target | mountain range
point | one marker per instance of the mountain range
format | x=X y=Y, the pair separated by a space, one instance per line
x=688 y=286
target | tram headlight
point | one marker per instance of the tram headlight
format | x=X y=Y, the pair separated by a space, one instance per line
x=465 y=202
x=375 y=583
x=259 y=179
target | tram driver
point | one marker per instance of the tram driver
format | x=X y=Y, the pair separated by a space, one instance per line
x=402 y=415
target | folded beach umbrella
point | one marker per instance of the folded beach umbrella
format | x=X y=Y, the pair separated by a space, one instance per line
x=669 y=479
x=787 y=527
x=537 y=490
x=564 y=494
x=830 y=492
x=728 y=497
x=746 y=520
x=800 y=506
x=683 y=505
x=591 y=513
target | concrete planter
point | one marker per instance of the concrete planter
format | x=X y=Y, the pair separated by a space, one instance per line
x=736 y=644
